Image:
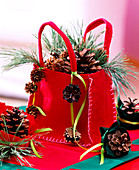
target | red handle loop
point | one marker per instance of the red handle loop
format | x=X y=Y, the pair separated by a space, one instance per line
x=66 y=40
x=108 y=33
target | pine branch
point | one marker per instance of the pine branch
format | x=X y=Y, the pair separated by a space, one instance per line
x=56 y=44
x=16 y=57
x=75 y=35
x=120 y=71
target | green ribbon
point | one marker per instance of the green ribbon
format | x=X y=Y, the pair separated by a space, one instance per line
x=40 y=110
x=72 y=114
x=102 y=155
x=32 y=144
x=91 y=149
x=34 y=150
x=42 y=130
x=74 y=123
x=79 y=76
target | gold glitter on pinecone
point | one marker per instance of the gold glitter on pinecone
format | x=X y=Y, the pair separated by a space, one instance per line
x=69 y=135
x=119 y=143
x=12 y=120
x=32 y=110
x=130 y=106
x=37 y=75
x=30 y=87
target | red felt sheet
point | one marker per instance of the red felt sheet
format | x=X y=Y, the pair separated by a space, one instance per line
x=58 y=156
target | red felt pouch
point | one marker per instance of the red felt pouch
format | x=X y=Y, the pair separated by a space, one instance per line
x=99 y=108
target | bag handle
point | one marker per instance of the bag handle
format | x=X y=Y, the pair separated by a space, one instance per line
x=66 y=40
x=108 y=33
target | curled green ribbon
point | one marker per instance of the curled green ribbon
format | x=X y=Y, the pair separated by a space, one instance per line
x=40 y=110
x=34 y=150
x=42 y=130
x=74 y=123
x=32 y=144
x=91 y=149
x=102 y=155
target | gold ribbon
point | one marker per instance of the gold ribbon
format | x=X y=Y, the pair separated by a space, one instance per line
x=127 y=121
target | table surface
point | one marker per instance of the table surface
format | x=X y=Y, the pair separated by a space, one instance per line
x=58 y=156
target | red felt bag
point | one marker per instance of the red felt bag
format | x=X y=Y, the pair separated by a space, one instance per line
x=99 y=108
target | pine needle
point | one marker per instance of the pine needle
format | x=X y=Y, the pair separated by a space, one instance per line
x=15 y=57
x=120 y=71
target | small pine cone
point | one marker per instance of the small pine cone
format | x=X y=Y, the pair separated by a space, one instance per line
x=32 y=110
x=37 y=75
x=30 y=87
x=130 y=106
x=71 y=93
x=119 y=143
x=12 y=120
x=69 y=135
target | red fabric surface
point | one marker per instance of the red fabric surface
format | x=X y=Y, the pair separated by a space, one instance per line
x=99 y=108
x=58 y=156
x=108 y=33
x=131 y=165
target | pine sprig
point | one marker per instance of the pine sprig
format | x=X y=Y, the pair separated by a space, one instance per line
x=56 y=44
x=120 y=71
x=17 y=57
x=11 y=148
x=18 y=149
x=75 y=36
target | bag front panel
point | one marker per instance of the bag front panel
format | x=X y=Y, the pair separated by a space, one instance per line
x=49 y=97
x=97 y=111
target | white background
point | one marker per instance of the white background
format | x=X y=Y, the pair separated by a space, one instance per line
x=20 y=19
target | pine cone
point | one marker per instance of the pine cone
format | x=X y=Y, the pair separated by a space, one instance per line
x=37 y=75
x=86 y=62
x=119 y=143
x=58 y=62
x=32 y=110
x=57 y=65
x=69 y=135
x=49 y=63
x=130 y=106
x=12 y=120
x=30 y=87
x=71 y=93
x=64 y=54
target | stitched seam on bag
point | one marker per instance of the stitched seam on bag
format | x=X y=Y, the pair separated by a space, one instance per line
x=50 y=139
x=89 y=107
x=113 y=101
